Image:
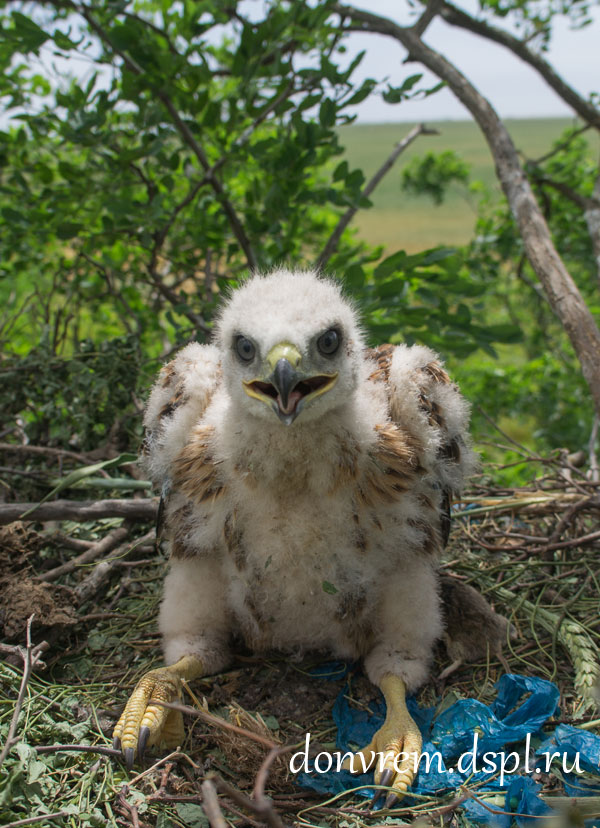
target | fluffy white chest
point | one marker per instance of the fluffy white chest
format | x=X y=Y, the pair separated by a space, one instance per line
x=298 y=573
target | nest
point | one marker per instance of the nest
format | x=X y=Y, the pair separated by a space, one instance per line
x=245 y=756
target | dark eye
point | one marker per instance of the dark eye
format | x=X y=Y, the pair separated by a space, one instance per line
x=329 y=342
x=245 y=349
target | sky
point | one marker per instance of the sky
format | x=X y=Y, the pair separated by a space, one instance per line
x=513 y=88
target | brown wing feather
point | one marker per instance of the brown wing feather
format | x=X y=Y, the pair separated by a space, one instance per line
x=428 y=378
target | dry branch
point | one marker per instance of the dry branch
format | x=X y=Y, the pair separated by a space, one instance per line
x=210 y=805
x=135 y=509
x=92 y=584
x=563 y=294
x=457 y=17
x=107 y=543
x=29 y=662
x=46 y=451
x=217 y=721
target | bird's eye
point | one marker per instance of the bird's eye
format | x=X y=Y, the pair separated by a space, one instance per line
x=329 y=342
x=244 y=348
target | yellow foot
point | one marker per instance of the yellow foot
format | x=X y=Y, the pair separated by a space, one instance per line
x=396 y=747
x=143 y=722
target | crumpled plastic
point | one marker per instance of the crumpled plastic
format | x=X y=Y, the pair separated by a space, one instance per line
x=467 y=730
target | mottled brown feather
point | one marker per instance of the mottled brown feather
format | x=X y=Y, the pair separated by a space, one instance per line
x=391 y=468
x=436 y=372
x=382 y=356
x=195 y=472
x=234 y=541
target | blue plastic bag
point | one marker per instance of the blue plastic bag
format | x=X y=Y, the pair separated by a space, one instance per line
x=521 y=707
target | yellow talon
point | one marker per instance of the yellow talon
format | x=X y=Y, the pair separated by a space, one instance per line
x=143 y=723
x=396 y=747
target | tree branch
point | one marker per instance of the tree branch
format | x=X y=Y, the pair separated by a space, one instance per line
x=565 y=298
x=210 y=805
x=334 y=239
x=107 y=543
x=431 y=10
x=456 y=17
x=589 y=205
x=100 y=574
x=142 y=509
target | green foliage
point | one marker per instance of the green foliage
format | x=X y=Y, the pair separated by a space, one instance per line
x=132 y=199
x=431 y=298
x=201 y=144
x=431 y=174
x=539 y=384
x=82 y=399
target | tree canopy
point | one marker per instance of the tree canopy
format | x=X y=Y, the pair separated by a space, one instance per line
x=153 y=153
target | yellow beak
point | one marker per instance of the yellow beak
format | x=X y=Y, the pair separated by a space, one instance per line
x=284 y=387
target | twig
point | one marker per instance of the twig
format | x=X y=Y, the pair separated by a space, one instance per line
x=107 y=543
x=550 y=547
x=43 y=450
x=432 y=8
x=401 y=146
x=595 y=471
x=28 y=663
x=210 y=805
x=105 y=751
x=176 y=754
x=135 y=509
x=90 y=585
x=523 y=449
x=210 y=718
x=36 y=652
x=32 y=820
x=60 y=539
x=264 y=805
x=128 y=809
x=244 y=801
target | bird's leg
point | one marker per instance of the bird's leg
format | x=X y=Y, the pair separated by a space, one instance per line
x=145 y=723
x=396 y=747
x=450 y=669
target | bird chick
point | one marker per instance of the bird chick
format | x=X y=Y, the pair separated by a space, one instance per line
x=472 y=630
x=306 y=482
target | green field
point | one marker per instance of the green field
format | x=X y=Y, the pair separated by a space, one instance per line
x=402 y=221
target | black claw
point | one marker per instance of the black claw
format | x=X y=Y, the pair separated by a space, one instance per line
x=143 y=740
x=129 y=755
x=116 y=743
x=375 y=800
x=391 y=801
x=386 y=778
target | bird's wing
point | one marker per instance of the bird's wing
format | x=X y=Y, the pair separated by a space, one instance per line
x=427 y=406
x=178 y=400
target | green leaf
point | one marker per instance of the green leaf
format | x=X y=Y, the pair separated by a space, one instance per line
x=396 y=94
x=329 y=588
x=192 y=815
x=79 y=474
x=327 y=113
x=28 y=32
x=62 y=41
x=354 y=276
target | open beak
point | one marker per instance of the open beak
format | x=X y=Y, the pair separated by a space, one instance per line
x=286 y=389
